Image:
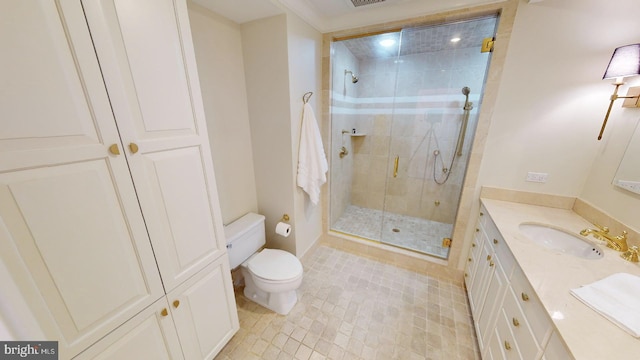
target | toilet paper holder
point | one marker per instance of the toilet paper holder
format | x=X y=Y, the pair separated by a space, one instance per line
x=285 y=217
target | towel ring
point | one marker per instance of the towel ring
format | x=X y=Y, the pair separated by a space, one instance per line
x=307 y=96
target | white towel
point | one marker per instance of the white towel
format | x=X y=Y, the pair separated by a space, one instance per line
x=617 y=298
x=312 y=162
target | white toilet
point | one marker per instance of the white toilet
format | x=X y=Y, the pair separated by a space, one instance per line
x=271 y=276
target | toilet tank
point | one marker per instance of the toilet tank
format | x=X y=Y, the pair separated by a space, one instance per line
x=244 y=236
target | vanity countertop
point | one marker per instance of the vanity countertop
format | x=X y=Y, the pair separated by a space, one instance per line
x=552 y=274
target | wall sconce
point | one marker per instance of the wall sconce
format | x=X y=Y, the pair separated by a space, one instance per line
x=625 y=61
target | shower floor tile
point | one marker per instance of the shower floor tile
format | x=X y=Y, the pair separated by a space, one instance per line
x=350 y=307
x=414 y=233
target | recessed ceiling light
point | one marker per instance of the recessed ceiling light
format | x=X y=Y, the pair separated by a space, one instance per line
x=387 y=42
x=455 y=39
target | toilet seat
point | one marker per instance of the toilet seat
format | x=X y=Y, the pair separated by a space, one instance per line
x=274 y=265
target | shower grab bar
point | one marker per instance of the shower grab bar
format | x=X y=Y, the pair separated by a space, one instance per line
x=395 y=166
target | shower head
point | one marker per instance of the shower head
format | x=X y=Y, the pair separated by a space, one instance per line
x=354 y=78
x=466 y=91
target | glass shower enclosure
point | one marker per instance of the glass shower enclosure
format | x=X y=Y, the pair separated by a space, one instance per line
x=404 y=108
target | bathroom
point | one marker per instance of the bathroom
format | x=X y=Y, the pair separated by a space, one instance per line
x=544 y=101
x=532 y=141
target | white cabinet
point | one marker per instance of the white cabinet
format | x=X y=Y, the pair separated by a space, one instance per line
x=107 y=192
x=510 y=320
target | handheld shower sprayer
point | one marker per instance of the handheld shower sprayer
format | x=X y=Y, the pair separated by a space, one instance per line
x=354 y=78
x=467 y=105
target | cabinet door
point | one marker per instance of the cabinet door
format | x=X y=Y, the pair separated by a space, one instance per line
x=149 y=335
x=146 y=54
x=71 y=232
x=204 y=311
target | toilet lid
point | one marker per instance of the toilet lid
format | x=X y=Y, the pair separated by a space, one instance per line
x=272 y=264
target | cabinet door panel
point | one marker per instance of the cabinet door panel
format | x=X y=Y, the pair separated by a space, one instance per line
x=206 y=316
x=68 y=225
x=182 y=217
x=148 y=335
x=52 y=95
x=154 y=89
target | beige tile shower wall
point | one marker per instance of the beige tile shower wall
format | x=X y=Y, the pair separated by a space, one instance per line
x=409 y=108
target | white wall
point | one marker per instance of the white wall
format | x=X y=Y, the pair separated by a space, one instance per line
x=305 y=74
x=552 y=101
x=264 y=44
x=218 y=48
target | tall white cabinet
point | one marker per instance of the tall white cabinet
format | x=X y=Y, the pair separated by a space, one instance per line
x=110 y=228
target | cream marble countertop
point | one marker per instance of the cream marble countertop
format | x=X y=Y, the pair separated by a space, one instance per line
x=552 y=274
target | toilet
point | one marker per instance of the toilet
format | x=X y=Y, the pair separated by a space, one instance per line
x=271 y=276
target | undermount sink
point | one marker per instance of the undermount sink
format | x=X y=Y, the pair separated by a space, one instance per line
x=560 y=240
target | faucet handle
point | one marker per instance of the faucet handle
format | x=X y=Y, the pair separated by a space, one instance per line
x=631 y=254
x=602 y=228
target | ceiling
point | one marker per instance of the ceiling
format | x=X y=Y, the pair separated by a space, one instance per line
x=334 y=15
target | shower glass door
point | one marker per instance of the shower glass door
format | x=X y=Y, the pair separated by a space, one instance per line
x=414 y=111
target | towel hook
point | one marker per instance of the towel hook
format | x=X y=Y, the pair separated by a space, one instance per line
x=307 y=96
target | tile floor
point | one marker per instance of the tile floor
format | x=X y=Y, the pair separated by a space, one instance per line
x=351 y=307
x=414 y=233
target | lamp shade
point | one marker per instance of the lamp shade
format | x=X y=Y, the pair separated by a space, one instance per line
x=625 y=61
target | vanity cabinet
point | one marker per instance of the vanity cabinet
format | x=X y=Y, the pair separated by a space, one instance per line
x=108 y=204
x=509 y=319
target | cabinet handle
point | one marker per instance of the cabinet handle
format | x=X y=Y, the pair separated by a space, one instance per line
x=516 y=322
x=466 y=275
x=525 y=297
x=176 y=303
x=473 y=244
x=477 y=230
x=481 y=214
x=164 y=312
x=469 y=259
x=488 y=257
x=114 y=149
x=495 y=241
x=507 y=345
x=133 y=147
x=491 y=263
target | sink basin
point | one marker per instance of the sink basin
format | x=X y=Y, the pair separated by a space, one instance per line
x=560 y=240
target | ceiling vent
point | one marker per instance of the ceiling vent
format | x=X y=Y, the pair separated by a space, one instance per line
x=357 y=3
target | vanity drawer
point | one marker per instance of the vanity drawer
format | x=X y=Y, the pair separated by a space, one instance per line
x=499 y=247
x=531 y=306
x=520 y=328
x=506 y=340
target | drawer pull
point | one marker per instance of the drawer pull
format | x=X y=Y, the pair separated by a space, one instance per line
x=516 y=322
x=525 y=297
x=176 y=303
x=491 y=263
x=488 y=257
x=164 y=312
x=507 y=345
x=495 y=241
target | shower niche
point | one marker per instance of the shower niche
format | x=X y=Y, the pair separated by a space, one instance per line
x=412 y=97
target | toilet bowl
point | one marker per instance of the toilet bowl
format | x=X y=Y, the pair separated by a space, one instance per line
x=271 y=276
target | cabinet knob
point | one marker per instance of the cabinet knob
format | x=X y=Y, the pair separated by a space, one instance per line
x=477 y=230
x=481 y=214
x=507 y=345
x=473 y=244
x=491 y=263
x=176 y=303
x=164 y=312
x=133 y=147
x=516 y=322
x=466 y=275
x=495 y=241
x=469 y=259
x=488 y=257
x=114 y=149
x=525 y=297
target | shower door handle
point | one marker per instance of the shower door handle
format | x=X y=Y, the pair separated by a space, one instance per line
x=395 y=166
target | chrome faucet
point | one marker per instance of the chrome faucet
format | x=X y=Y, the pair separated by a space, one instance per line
x=617 y=243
